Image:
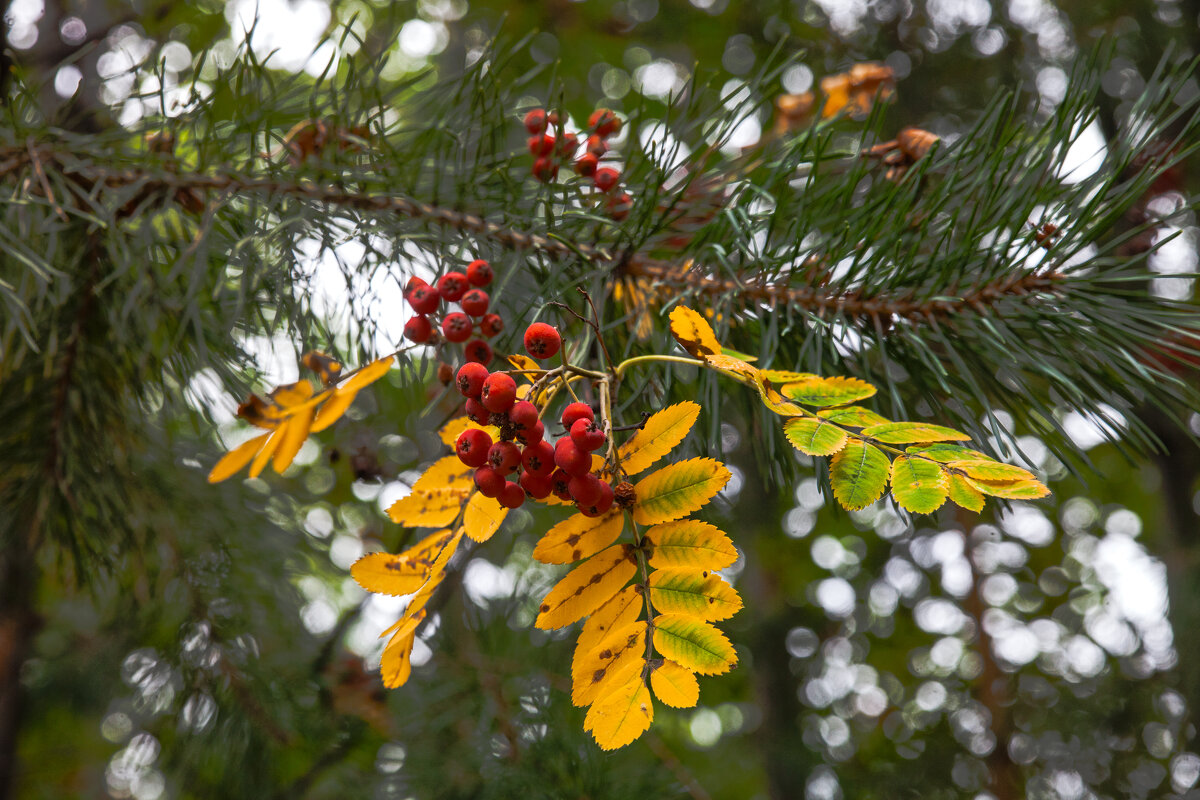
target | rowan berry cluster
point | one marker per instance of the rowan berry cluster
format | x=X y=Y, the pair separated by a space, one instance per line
x=548 y=152
x=457 y=326
x=563 y=469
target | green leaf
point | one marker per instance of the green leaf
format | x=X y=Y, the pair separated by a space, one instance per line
x=821 y=392
x=689 y=543
x=946 y=453
x=853 y=416
x=692 y=592
x=907 y=432
x=858 y=474
x=693 y=644
x=993 y=471
x=814 y=437
x=678 y=489
x=962 y=493
x=918 y=485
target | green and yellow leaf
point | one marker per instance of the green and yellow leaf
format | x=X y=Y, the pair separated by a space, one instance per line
x=232 y=462
x=400 y=573
x=992 y=471
x=674 y=685
x=678 y=489
x=963 y=494
x=695 y=593
x=773 y=400
x=823 y=392
x=658 y=436
x=579 y=537
x=482 y=517
x=858 y=474
x=608 y=665
x=779 y=377
x=853 y=416
x=1011 y=490
x=621 y=610
x=814 y=437
x=918 y=485
x=621 y=717
x=689 y=543
x=693 y=644
x=909 y=432
x=693 y=332
x=946 y=453
x=587 y=587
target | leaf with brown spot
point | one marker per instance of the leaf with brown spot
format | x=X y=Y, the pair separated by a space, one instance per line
x=579 y=537
x=587 y=587
x=693 y=332
x=619 y=657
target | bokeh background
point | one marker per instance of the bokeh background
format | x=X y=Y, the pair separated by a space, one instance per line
x=1042 y=650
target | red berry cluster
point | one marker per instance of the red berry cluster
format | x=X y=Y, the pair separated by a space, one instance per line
x=548 y=152
x=457 y=326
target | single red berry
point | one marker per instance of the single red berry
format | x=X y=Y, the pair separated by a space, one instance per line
x=479 y=273
x=538 y=458
x=606 y=178
x=618 y=206
x=570 y=458
x=544 y=169
x=587 y=435
x=414 y=282
x=523 y=415
x=472 y=447
x=558 y=484
x=470 y=379
x=499 y=393
x=576 y=411
x=456 y=327
x=490 y=325
x=604 y=122
x=586 y=165
x=584 y=489
x=567 y=144
x=452 y=286
x=475 y=302
x=504 y=457
x=535 y=121
x=478 y=351
x=536 y=486
x=512 y=495
x=602 y=505
x=541 y=145
x=423 y=299
x=532 y=435
x=476 y=411
x=542 y=341
x=596 y=146
x=489 y=482
x=418 y=329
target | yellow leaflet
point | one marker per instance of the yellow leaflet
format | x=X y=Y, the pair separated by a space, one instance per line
x=678 y=489
x=621 y=610
x=852 y=416
x=233 y=461
x=781 y=376
x=610 y=664
x=946 y=453
x=658 y=436
x=332 y=410
x=448 y=472
x=858 y=474
x=621 y=717
x=1011 y=490
x=675 y=686
x=909 y=432
x=689 y=543
x=450 y=432
x=587 y=587
x=402 y=573
x=396 y=665
x=413 y=612
x=579 y=537
x=693 y=332
x=822 y=392
x=366 y=376
x=482 y=517
x=428 y=508
x=734 y=367
x=264 y=455
x=962 y=493
x=992 y=471
x=774 y=400
x=694 y=593
x=292 y=394
x=813 y=436
x=295 y=431
x=527 y=366
x=918 y=485
x=693 y=644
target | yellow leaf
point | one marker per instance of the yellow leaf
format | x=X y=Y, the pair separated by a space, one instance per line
x=852 y=416
x=332 y=410
x=401 y=573
x=908 y=432
x=992 y=471
x=962 y=493
x=366 y=375
x=778 y=377
x=689 y=543
x=428 y=508
x=292 y=394
x=693 y=644
x=823 y=392
x=675 y=686
x=693 y=332
x=735 y=368
x=678 y=489
x=450 y=432
x=230 y=463
x=448 y=472
x=587 y=587
x=621 y=717
x=609 y=664
x=264 y=455
x=662 y=431
x=396 y=665
x=295 y=431
x=482 y=517
x=579 y=537
x=694 y=593
x=527 y=369
x=1011 y=490
x=775 y=401
x=621 y=610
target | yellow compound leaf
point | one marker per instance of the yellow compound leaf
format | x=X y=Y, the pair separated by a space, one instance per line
x=693 y=593
x=992 y=471
x=918 y=485
x=693 y=332
x=396 y=665
x=579 y=537
x=658 y=436
x=264 y=455
x=428 y=508
x=621 y=717
x=400 y=573
x=823 y=392
x=909 y=432
x=232 y=462
x=689 y=543
x=814 y=437
x=613 y=662
x=678 y=489
x=693 y=644
x=858 y=474
x=294 y=431
x=482 y=517
x=675 y=686
x=1011 y=490
x=621 y=610
x=963 y=494
x=587 y=587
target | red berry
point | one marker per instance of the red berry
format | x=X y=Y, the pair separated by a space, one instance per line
x=541 y=145
x=536 y=486
x=532 y=435
x=576 y=411
x=489 y=482
x=499 y=393
x=414 y=282
x=512 y=496
x=584 y=489
x=477 y=412
x=586 y=165
x=418 y=329
x=523 y=415
x=490 y=325
x=452 y=286
x=535 y=121
x=570 y=459
x=567 y=145
x=538 y=458
x=470 y=379
x=504 y=457
x=472 y=447
x=456 y=327
x=587 y=435
x=479 y=273
x=542 y=341
x=475 y=302
x=544 y=169
x=604 y=122
x=478 y=351
x=596 y=146
x=606 y=178
x=423 y=299
x=558 y=484
x=618 y=206
x=602 y=505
